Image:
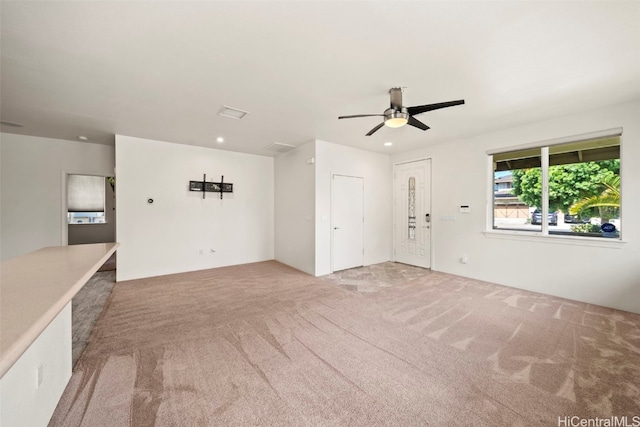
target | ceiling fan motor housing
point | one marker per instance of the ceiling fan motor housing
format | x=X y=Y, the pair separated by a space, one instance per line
x=395 y=118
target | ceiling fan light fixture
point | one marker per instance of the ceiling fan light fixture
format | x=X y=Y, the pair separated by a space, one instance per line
x=395 y=122
x=395 y=119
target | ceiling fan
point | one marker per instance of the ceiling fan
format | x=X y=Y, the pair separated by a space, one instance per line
x=397 y=115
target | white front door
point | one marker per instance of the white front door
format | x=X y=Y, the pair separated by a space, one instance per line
x=412 y=213
x=347 y=221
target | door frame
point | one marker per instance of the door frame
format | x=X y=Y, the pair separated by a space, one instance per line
x=332 y=174
x=64 y=231
x=395 y=201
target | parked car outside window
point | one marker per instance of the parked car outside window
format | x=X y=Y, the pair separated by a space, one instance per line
x=575 y=219
x=536 y=218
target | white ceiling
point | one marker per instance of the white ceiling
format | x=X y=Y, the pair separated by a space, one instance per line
x=162 y=70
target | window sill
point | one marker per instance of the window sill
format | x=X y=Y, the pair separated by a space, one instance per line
x=602 y=242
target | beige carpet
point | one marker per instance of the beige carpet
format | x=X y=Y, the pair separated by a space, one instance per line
x=263 y=344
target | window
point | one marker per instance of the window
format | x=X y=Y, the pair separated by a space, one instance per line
x=411 y=204
x=511 y=211
x=85 y=199
x=570 y=188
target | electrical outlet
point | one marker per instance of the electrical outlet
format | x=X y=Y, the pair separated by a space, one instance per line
x=39 y=374
x=464 y=258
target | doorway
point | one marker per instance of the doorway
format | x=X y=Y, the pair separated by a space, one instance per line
x=412 y=213
x=347 y=222
x=88 y=211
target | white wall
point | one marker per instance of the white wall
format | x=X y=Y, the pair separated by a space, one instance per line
x=375 y=168
x=295 y=208
x=598 y=275
x=33 y=188
x=22 y=401
x=167 y=236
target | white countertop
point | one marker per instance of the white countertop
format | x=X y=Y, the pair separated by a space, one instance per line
x=35 y=287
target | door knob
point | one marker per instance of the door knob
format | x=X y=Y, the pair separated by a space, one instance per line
x=427 y=218
x=336 y=228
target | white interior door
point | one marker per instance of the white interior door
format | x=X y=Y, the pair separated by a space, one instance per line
x=347 y=222
x=412 y=213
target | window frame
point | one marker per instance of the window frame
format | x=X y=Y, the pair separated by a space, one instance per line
x=543 y=234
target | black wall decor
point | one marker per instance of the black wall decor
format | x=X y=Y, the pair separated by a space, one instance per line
x=211 y=187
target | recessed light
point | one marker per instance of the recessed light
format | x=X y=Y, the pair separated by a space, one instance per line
x=12 y=124
x=388 y=144
x=220 y=140
x=232 y=113
x=83 y=138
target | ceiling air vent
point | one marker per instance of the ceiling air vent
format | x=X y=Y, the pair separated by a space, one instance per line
x=232 y=113
x=280 y=147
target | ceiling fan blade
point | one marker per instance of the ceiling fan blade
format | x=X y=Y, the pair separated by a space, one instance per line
x=375 y=129
x=361 y=115
x=419 y=109
x=417 y=123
